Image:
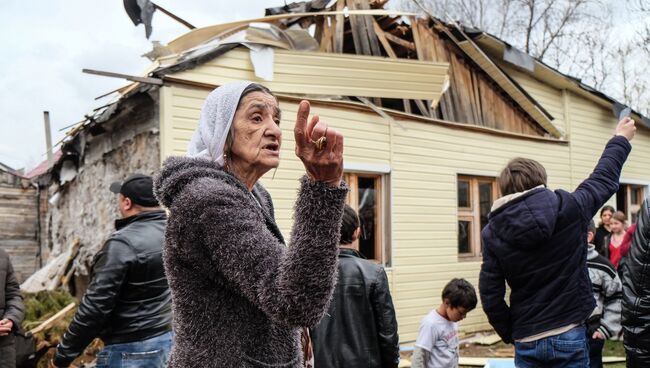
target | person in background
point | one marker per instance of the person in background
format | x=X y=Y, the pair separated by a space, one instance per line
x=535 y=243
x=128 y=302
x=437 y=342
x=615 y=241
x=635 y=275
x=605 y=321
x=603 y=230
x=12 y=311
x=360 y=327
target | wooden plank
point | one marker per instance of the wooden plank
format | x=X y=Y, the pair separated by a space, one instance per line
x=359 y=33
x=340 y=27
x=400 y=41
x=416 y=38
x=50 y=321
x=368 y=26
x=382 y=38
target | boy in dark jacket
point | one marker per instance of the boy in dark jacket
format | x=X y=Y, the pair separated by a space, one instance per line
x=605 y=321
x=535 y=241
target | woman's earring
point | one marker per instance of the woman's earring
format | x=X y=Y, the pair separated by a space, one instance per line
x=225 y=162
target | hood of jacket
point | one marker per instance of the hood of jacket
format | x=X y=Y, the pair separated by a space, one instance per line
x=178 y=172
x=527 y=219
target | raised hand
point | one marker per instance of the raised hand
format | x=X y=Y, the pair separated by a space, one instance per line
x=626 y=128
x=319 y=147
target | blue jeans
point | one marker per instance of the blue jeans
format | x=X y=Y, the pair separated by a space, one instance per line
x=569 y=350
x=151 y=353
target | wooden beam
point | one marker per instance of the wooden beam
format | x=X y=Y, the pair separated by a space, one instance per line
x=147 y=80
x=367 y=26
x=382 y=38
x=400 y=41
x=359 y=33
x=50 y=321
x=340 y=27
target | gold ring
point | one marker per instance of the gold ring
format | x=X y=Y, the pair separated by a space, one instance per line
x=320 y=143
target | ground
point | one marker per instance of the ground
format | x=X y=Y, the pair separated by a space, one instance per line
x=501 y=350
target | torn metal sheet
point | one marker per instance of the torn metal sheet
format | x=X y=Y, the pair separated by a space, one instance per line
x=519 y=58
x=262 y=58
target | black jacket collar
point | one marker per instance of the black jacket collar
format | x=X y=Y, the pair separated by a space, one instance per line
x=143 y=216
x=347 y=252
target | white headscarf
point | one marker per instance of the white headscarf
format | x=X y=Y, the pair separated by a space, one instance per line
x=216 y=118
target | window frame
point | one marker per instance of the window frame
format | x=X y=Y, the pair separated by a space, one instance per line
x=472 y=214
x=630 y=208
x=382 y=234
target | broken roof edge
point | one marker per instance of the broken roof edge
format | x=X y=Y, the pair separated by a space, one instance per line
x=485 y=40
x=392 y=113
x=536 y=112
x=197 y=36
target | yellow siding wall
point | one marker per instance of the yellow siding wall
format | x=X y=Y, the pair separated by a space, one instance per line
x=329 y=74
x=591 y=127
x=425 y=159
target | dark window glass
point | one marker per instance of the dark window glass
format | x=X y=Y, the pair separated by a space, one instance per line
x=464 y=241
x=368 y=216
x=637 y=195
x=463 y=194
x=485 y=202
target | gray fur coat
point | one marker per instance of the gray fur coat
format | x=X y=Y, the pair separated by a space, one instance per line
x=239 y=295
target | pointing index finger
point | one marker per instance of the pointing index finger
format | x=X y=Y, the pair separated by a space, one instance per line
x=300 y=130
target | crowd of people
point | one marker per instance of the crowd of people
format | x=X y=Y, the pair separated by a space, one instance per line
x=211 y=281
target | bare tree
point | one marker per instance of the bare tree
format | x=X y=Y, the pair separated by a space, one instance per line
x=577 y=37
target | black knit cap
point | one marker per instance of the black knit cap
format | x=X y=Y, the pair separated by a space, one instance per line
x=138 y=188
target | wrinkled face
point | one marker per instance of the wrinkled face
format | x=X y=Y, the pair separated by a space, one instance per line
x=606 y=217
x=257 y=134
x=455 y=314
x=616 y=226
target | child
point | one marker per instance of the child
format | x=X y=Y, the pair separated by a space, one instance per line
x=616 y=240
x=605 y=320
x=534 y=242
x=437 y=342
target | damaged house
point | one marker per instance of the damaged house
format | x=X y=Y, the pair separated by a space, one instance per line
x=19 y=221
x=430 y=112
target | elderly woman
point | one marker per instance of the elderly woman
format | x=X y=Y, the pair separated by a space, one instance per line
x=241 y=297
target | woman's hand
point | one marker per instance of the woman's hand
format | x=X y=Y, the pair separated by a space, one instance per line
x=323 y=163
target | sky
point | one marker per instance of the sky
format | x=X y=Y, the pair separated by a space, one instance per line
x=45 y=44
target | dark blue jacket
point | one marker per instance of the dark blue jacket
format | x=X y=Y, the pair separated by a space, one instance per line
x=536 y=243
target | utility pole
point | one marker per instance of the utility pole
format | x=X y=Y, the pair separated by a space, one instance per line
x=48 y=138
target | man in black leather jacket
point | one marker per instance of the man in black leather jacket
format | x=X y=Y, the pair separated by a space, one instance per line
x=360 y=328
x=128 y=302
x=635 y=275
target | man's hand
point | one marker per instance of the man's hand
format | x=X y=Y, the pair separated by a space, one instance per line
x=626 y=128
x=598 y=335
x=5 y=326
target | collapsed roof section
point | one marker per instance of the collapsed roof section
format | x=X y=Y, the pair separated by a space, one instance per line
x=355 y=50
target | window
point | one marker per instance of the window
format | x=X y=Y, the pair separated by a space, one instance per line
x=629 y=199
x=369 y=197
x=475 y=197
